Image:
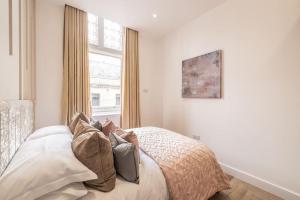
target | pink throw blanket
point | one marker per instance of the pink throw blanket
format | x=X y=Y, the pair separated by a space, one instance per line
x=190 y=168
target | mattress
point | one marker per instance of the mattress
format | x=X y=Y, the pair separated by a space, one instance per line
x=152 y=185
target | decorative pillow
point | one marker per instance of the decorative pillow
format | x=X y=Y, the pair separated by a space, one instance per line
x=50 y=130
x=83 y=127
x=94 y=150
x=75 y=120
x=41 y=166
x=125 y=158
x=131 y=138
x=72 y=191
x=97 y=125
x=108 y=127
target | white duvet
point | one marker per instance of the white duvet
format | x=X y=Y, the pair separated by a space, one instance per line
x=152 y=185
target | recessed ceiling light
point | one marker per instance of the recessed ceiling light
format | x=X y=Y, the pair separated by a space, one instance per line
x=154 y=15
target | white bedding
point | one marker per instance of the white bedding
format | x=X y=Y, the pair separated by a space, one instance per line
x=152 y=185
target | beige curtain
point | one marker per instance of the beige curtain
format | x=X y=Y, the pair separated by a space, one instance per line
x=130 y=115
x=76 y=87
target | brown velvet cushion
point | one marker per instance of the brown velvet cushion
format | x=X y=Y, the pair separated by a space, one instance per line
x=75 y=120
x=108 y=127
x=130 y=137
x=94 y=150
x=84 y=127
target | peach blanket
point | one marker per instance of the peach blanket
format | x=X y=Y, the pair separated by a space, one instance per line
x=190 y=168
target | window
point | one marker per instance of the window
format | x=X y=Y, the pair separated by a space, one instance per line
x=105 y=59
x=105 y=80
x=95 y=99
x=104 y=35
x=118 y=99
x=93 y=28
x=112 y=35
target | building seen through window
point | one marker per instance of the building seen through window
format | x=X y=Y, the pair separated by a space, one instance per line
x=105 y=61
x=105 y=76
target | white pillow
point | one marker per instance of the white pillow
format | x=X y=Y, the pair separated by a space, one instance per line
x=49 y=130
x=69 y=192
x=41 y=166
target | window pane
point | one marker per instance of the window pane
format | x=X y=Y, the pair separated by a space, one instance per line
x=93 y=28
x=118 y=99
x=95 y=99
x=105 y=80
x=112 y=35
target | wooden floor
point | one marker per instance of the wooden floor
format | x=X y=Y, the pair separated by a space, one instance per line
x=243 y=191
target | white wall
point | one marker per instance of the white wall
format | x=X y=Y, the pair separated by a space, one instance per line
x=49 y=33
x=255 y=127
x=49 y=63
x=150 y=83
x=9 y=64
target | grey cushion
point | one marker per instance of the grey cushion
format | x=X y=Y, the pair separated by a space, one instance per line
x=97 y=125
x=125 y=158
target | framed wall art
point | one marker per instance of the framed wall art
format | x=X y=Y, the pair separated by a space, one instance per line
x=201 y=76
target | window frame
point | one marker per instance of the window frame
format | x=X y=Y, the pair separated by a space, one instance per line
x=105 y=53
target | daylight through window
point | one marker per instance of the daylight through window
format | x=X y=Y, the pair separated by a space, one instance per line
x=93 y=35
x=105 y=59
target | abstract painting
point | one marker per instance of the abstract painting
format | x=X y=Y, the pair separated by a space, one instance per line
x=201 y=76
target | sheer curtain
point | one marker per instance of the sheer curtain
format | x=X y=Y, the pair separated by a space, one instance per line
x=76 y=87
x=130 y=108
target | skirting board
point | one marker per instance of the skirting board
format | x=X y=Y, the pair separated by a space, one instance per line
x=261 y=183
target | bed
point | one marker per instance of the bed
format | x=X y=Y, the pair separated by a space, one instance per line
x=172 y=166
x=151 y=179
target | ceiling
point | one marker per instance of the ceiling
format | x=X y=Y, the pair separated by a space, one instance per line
x=137 y=14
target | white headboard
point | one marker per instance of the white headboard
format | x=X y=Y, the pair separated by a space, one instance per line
x=16 y=123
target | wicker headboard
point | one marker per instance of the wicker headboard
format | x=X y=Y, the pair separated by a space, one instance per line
x=16 y=123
